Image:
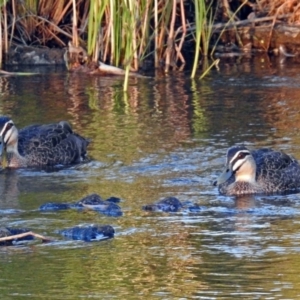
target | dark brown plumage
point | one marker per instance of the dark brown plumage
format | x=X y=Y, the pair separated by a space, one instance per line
x=41 y=145
x=262 y=171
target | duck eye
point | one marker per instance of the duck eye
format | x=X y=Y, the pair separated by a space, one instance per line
x=9 y=126
x=241 y=155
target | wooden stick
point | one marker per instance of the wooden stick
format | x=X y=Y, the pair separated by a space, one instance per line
x=25 y=234
x=170 y=42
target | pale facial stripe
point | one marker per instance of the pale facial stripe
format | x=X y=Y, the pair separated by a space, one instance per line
x=8 y=125
x=236 y=162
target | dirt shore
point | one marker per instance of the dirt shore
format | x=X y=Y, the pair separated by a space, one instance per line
x=262 y=38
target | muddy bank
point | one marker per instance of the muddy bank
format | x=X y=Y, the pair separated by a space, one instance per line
x=252 y=39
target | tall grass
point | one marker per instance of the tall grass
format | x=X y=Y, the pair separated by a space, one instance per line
x=123 y=33
x=203 y=23
x=96 y=12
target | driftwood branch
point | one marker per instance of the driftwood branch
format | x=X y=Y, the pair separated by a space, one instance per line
x=23 y=235
x=77 y=60
x=116 y=71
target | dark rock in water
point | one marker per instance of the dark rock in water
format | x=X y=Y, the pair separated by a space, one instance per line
x=50 y=206
x=6 y=232
x=113 y=199
x=169 y=204
x=89 y=233
x=95 y=202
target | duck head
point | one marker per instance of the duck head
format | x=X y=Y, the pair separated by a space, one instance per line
x=240 y=163
x=8 y=135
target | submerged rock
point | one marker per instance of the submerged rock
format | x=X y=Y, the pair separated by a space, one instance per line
x=89 y=233
x=169 y=204
x=94 y=201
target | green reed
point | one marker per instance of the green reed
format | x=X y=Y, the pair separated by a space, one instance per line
x=96 y=12
x=129 y=37
x=123 y=33
x=203 y=24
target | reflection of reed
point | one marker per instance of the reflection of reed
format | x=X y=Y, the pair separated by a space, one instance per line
x=97 y=93
x=31 y=99
x=173 y=253
x=152 y=260
x=172 y=100
x=14 y=185
x=149 y=110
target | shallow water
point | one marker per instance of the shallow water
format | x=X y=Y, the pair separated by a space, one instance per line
x=167 y=138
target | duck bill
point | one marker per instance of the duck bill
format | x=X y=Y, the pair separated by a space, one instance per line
x=224 y=176
x=2 y=149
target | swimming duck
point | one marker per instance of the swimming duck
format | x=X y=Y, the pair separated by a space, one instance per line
x=262 y=171
x=41 y=145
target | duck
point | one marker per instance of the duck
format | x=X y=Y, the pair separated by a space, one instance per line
x=41 y=145
x=261 y=171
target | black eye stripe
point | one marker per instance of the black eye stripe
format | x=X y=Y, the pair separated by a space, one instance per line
x=241 y=156
x=8 y=126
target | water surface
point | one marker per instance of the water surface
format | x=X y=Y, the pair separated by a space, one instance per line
x=168 y=137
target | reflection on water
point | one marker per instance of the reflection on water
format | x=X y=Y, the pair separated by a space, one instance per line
x=167 y=137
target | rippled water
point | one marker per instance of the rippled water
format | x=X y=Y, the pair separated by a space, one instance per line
x=168 y=137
